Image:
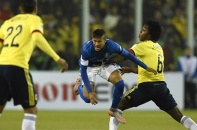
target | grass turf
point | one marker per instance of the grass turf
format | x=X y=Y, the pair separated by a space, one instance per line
x=94 y=120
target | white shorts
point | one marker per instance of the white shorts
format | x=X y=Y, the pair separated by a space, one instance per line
x=103 y=71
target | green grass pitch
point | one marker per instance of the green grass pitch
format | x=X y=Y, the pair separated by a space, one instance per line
x=94 y=120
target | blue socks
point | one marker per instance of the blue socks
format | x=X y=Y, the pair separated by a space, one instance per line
x=117 y=93
x=80 y=89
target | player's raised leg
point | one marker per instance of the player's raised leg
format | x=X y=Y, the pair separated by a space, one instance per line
x=79 y=89
x=116 y=79
x=76 y=87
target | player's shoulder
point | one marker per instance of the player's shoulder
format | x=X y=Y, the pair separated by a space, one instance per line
x=138 y=44
x=110 y=44
x=34 y=17
x=25 y=17
x=8 y=20
x=109 y=41
x=157 y=46
x=87 y=45
x=148 y=43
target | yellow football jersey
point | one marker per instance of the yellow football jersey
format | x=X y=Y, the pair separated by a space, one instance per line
x=152 y=55
x=18 y=44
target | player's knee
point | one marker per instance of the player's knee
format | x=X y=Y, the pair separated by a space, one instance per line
x=120 y=84
x=31 y=110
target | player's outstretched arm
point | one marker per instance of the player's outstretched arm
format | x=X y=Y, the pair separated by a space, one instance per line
x=126 y=69
x=115 y=58
x=63 y=64
x=44 y=46
x=151 y=70
x=130 y=56
x=91 y=94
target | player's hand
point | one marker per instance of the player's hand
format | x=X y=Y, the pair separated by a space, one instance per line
x=63 y=64
x=93 y=97
x=151 y=70
x=125 y=70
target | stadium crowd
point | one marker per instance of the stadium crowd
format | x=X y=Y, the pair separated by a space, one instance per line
x=62 y=25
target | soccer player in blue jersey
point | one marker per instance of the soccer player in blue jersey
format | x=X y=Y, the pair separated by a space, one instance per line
x=150 y=87
x=18 y=37
x=94 y=54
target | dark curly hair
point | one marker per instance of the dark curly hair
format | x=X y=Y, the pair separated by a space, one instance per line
x=154 y=28
x=28 y=5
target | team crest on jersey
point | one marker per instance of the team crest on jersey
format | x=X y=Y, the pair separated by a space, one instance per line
x=107 y=55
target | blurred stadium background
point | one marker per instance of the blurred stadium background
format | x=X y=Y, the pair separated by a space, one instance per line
x=69 y=23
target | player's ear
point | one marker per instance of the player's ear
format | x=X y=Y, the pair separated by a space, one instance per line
x=149 y=36
x=20 y=9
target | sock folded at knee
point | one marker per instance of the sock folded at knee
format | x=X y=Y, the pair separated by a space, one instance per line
x=117 y=94
x=80 y=89
x=29 y=122
x=188 y=123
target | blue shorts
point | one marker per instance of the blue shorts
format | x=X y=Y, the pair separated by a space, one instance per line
x=16 y=83
x=150 y=91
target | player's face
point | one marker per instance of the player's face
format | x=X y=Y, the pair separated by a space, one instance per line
x=144 y=35
x=99 y=43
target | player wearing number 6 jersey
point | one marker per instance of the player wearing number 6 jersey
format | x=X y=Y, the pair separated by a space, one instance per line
x=18 y=37
x=150 y=87
x=94 y=54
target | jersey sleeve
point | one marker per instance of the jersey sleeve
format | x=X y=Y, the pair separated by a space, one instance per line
x=84 y=60
x=42 y=43
x=115 y=46
x=1 y=37
x=1 y=34
x=37 y=25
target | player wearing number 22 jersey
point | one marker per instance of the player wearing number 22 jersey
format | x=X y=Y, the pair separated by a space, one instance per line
x=18 y=41
x=18 y=45
x=18 y=37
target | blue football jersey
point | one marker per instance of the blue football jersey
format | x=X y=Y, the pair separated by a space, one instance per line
x=94 y=58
